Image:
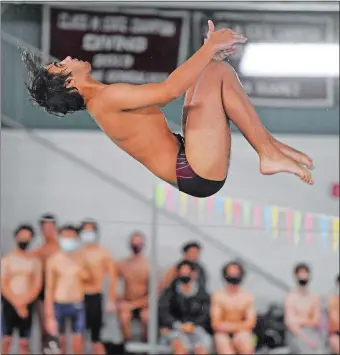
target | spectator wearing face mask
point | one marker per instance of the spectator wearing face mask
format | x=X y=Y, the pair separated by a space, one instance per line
x=102 y=264
x=21 y=280
x=191 y=252
x=134 y=272
x=334 y=319
x=303 y=314
x=66 y=274
x=233 y=314
x=184 y=309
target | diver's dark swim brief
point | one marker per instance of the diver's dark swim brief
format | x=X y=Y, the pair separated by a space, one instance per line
x=188 y=181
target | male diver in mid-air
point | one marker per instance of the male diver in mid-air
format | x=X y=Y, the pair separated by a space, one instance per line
x=130 y=115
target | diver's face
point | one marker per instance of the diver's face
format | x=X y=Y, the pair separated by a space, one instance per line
x=69 y=65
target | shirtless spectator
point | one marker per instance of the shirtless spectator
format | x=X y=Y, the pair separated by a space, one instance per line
x=334 y=320
x=302 y=315
x=134 y=271
x=184 y=309
x=191 y=252
x=233 y=314
x=66 y=274
x=102 y=264
x=48 y=228
x=21 y=279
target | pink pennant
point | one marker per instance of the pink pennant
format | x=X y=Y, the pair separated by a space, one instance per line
x=209 y=205
x=169 y=198
x=308 y=227
x=257 y=216
x=289 y=223
x=237 y=212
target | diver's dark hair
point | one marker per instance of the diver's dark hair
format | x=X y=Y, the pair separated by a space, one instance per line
x=90 y=221
x=48 y=90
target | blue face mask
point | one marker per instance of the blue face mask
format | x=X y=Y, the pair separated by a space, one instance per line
x=68 y=244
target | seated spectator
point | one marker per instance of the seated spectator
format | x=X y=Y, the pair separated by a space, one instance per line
x=66 y=274
x=191 y=252
x=303 y=315
x=102 y=264
x=334 y=320
x=134 y=271
x=233 y=314
x=184 y=310
x=21 y=279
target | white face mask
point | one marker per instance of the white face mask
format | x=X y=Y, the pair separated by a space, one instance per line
x=88 y=237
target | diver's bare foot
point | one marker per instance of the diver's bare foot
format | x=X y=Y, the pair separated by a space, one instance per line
x=280 y=163
x=300 y=157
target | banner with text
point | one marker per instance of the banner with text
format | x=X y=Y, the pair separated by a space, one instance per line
x=122 y=46
x=274 y=28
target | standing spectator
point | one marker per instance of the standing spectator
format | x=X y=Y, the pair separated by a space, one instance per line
x=66 y=274
x=303 y=315
x=20 y=284
x=134 y=271
x=48 y=228
x=184 y=310
x=334 y=320
x=102 y=264
x=233 y=314
x=191 y=252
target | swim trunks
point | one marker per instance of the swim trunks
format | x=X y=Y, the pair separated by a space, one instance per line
x=75 y=312
x=10 y=320
x=188 y=181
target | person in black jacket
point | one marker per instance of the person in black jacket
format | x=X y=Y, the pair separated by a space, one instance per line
x=184 y=309
x=191 y=251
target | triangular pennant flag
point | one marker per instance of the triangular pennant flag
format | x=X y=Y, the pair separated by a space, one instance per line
x=183 y=203
x=209 y=205
x=237 y=212
x=169 y=198
x=324 y=230
x=228 y=209
x=297 y=227
x=257 y=216
x=289 y=223
x=308 y=227
x=267 y=218
x=275 y=221
x=246 y=213
x=219 y=206
x=160 y=195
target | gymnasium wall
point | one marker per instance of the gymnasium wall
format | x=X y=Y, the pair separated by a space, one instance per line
x=38 y=177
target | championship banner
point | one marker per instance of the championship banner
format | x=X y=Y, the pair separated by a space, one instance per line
x=264 y=31
x=122 y=45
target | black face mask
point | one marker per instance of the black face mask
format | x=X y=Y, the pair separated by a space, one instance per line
x=136 y=249
x=23 y=245
x=184 y=279
x=302 y=282
x=233 y=280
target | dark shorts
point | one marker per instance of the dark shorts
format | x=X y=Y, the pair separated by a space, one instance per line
x=94 y=315
x=75 y=312
x=188 y=181
x=136 y=313
x=10 y=320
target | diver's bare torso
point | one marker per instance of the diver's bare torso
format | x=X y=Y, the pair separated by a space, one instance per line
x=142 y=133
